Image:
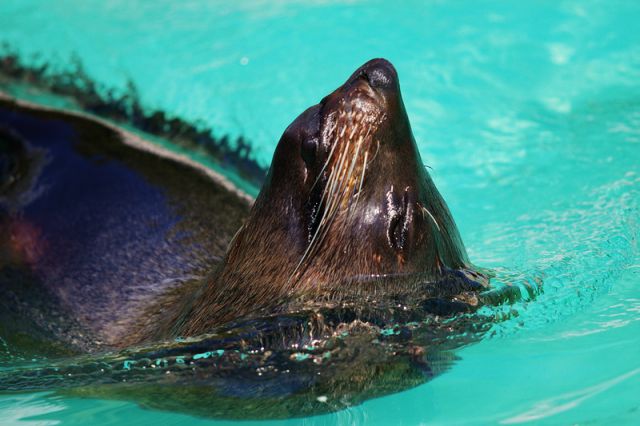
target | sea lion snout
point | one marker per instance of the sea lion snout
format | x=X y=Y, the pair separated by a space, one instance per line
x=379 y=73
x=361 y=103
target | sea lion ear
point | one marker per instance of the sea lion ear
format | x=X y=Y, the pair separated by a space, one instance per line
x=297 y=146
x=305 y=126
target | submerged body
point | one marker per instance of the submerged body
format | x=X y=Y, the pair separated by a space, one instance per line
x=95 y=228
x=346 y=279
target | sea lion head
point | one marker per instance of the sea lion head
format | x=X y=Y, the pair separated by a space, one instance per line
x=350 y=180
x=347 y=200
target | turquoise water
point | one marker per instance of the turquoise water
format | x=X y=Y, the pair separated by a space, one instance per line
x=527 y=113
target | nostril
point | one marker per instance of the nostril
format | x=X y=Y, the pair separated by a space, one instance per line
x=380 y=74
x=378 y=78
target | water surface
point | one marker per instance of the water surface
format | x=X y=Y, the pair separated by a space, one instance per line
x=527 y=113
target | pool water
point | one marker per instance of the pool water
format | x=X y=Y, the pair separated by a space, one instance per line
x=527 y=114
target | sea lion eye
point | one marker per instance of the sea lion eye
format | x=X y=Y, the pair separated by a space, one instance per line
x=308 y=150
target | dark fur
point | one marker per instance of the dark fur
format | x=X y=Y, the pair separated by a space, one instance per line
x=346 y=280
x=396 y=225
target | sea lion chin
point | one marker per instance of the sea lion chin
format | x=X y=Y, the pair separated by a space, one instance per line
x=347 y=209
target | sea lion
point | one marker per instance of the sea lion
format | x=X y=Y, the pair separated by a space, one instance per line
x=348 y=209
x=346 y=280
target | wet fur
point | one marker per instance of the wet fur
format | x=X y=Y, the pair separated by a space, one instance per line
x=361 y=206
x=350 y=252
x=306 y=239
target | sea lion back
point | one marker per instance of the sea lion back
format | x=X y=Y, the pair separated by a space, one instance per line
x=97 y=229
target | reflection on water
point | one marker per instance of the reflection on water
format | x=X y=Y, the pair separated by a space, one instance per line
x=25 y=409
x=566 y=401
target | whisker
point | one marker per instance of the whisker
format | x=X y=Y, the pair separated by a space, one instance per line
x=424 y=209
x=348 y=137
x=329 y=157
x=377 y=149
x=328 y=197
x=353 y=163
x=333 y=181
x=364 y=169
x=334 y=198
